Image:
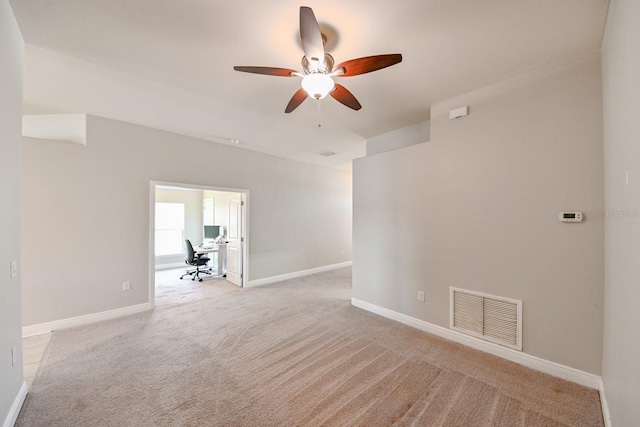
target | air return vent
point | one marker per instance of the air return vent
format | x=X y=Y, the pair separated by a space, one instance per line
x=489 y=317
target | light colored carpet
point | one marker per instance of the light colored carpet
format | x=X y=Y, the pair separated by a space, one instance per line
x=295 y=353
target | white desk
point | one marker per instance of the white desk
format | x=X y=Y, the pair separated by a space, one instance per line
x=221 y=254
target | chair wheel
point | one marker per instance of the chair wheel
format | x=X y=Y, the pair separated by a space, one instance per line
x=200 y=280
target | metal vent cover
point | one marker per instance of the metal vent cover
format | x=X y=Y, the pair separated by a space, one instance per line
x=492 y=318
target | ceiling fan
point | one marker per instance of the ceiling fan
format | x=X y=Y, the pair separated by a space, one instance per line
x=318 y=67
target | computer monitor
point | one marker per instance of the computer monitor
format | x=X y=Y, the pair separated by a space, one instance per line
x=211 y=232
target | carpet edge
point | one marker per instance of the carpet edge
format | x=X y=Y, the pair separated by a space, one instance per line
x=46 y=327
x=542 y=365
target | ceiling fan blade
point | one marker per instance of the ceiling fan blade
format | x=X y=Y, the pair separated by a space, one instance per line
x=297 y=99
x=310 y=35
x=342 y=95
x=269 y=71
x=367 y=64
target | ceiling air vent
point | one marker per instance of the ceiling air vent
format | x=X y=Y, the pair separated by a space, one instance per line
x=492 y=318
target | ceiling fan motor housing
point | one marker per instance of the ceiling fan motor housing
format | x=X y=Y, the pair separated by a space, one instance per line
x=325 y=66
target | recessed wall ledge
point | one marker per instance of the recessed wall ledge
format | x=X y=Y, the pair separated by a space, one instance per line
x=56 y=127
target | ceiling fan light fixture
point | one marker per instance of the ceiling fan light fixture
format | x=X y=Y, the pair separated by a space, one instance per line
x=318 y=67
x=317 y=85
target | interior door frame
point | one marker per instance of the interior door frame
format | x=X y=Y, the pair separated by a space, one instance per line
x=152 y=220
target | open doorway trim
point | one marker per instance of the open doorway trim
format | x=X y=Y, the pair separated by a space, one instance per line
x=152 y=212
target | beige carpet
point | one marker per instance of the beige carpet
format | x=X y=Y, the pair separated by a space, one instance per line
x=295 y=353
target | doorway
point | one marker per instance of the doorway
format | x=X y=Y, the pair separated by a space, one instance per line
x=186 y=211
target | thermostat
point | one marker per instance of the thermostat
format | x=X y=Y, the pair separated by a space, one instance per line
x=570 y=216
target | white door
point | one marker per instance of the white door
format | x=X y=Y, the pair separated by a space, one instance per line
x=235 y=237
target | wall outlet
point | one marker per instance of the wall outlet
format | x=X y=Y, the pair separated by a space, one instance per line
x=342 y=252
x=126 y=286
x=13 y=356
x=421 y=296
x=14 y=269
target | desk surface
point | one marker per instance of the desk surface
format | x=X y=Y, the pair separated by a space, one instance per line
x=209 y=248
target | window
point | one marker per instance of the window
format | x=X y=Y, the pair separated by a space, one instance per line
x=169 y=229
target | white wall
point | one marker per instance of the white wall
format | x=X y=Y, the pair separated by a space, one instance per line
x=221 y=201
x=222 y=208
x=477 y=208
x=399 y=138
x=12 y=48
x=85 y=228
x=621 y=99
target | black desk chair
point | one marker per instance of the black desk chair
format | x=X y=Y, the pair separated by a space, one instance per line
x=196 y=260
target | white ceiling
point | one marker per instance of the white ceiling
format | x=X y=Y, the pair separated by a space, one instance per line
x=168 y=64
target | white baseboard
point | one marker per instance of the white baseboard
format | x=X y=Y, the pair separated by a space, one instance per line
x=12 y=416
x=605 y=406
x=295 y=274
x=43 y=328
x=171 y=266
x=557 y=370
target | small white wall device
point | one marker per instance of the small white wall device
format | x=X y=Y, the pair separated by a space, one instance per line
x=459 y=112
x=570 y=216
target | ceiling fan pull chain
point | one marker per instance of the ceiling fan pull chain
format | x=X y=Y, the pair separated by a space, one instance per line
x=319 y=113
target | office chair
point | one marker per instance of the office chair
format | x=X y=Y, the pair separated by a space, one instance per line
x=196 y=260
